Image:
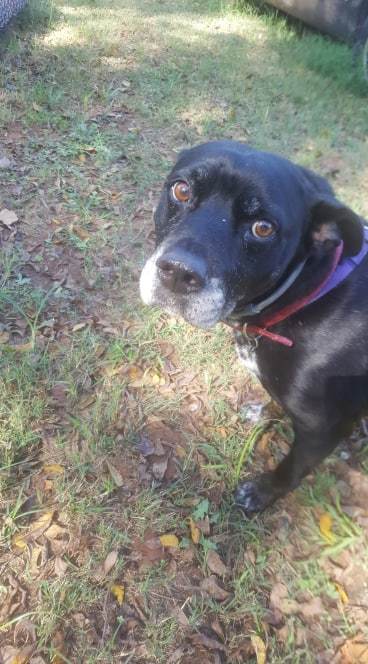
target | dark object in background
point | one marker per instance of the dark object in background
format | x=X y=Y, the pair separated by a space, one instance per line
x=340 y=18
x=343 y=19
x=9 y=9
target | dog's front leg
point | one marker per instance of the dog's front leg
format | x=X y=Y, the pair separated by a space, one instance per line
x=309 y=448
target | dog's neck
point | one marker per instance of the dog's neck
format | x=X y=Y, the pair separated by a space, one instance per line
x=304 y=278
x=291 y=296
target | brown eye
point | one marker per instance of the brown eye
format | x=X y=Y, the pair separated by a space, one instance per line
x=181 y=191
x=263 y=229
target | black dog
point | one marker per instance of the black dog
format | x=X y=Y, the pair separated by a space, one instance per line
x=251 y=239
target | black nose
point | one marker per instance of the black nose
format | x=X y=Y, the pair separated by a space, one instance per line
x=181 y=271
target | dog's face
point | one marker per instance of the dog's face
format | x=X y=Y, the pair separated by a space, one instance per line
x=230 y=223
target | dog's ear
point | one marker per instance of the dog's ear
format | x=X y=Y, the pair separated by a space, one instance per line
x=331 y=222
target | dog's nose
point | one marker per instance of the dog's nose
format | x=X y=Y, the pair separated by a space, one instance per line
x=182 y=272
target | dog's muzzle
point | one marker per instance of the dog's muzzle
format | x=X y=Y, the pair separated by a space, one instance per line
x=178 y=281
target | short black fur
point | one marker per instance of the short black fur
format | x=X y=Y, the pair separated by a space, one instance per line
x=322 y=381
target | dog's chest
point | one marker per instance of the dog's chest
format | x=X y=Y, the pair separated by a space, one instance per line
x=247 y=354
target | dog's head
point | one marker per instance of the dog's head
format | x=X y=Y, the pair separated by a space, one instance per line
x=231 y=222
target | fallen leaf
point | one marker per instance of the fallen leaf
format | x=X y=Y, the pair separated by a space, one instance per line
x=311 y=609
x=26 y=630
x=259 y=648
x=10 y=655
x=119 y=592
x=60 y=566
x=38 y=527
x=325 y=526
x=149 y=551
x=58 y=645
x=211 y=586
x=22 y=348
x=116 y=476
x=169 y=540
x=354 y=651
x=195 y=532
x=279 y=600
x=8 y=217
x=4 y=337
x=209 y=643
x=80 y=232
x=134 y=373
x=215 y=563
x=79 y=326
x=53 y=469
x=342 y=594
x=176 y=656
x=110 y=561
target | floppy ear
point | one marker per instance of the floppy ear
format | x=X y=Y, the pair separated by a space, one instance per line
x=331 y=222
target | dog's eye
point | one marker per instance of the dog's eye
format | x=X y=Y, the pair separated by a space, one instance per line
x=263 y=229
x=180 y=191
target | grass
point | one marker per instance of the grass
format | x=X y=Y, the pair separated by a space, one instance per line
x=95 y=98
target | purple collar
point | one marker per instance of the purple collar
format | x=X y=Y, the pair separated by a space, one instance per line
x=339 y=272
x=344 y=269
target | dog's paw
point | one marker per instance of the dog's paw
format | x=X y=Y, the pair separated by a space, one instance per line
x=254 y=496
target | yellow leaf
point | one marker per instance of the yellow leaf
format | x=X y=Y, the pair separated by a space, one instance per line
x=195 y=532
x=325 y=525
x=342 y=594
x=134 y=373
x=119 y=592
x=53 y=469
x=18 y=541
x=169 y=540
x=43 y=521
x=259 y=648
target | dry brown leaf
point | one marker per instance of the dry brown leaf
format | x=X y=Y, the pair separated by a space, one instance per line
x=354 y=651
x=110 y=561
x=195 y=532
x=116 y=476
x=38 y=527
x=279 y=600
x=25 y=630
x=169 y=540
x=159 y=466
x=209 y=643
x=149 y=551
x=311 y=609
x=8 y=217
x=4 y=337
x=211 y=586
x=79 y=326
x=259 y=648
x=215 y=564
x=22 y=348
x=23 y=655
x=60 y=566
x=80 y=232
x=359 y=484
x=58 y=644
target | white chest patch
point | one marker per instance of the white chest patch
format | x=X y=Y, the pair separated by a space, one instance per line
x=247 y=356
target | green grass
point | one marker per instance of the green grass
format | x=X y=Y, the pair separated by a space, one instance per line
x=96 y=96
